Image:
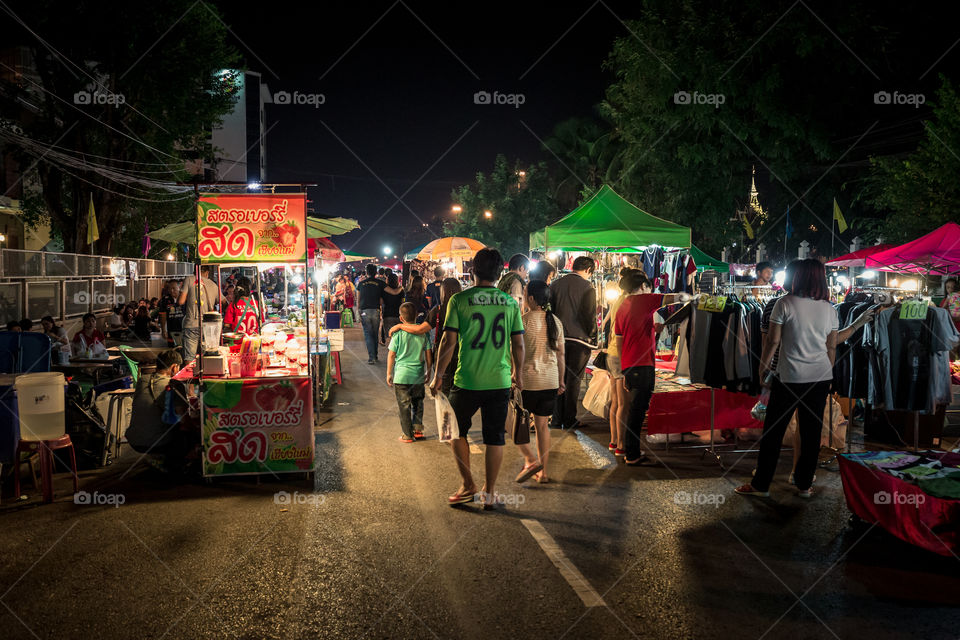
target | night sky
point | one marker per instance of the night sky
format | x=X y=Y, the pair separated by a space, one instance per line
x=398 y=101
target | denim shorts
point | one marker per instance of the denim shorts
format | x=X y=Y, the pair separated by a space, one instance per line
x=492 y=404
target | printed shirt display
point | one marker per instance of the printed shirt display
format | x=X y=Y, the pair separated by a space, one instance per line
x=912 y=359
x=485 y=319
x=540 y=370
x=952 y=304
x=936 y=473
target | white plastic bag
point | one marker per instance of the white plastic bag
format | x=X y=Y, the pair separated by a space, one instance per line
x=446 y=419
x=597 y=398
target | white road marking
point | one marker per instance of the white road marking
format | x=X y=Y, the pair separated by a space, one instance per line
x=569 y=572
x=599 y=455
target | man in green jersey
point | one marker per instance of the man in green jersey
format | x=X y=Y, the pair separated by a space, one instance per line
x=483 y=324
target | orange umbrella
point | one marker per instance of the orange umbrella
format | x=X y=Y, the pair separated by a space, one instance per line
x=452 y=247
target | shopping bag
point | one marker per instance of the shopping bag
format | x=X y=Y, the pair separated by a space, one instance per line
x=519 y=420
x=446 y=419
x=839 y=426
x=597 y=398
x=759 y=411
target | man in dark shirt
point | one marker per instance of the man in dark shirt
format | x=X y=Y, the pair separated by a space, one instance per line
x=171 y=315
x=370 y=299
x=575 y=304
x=433 y=289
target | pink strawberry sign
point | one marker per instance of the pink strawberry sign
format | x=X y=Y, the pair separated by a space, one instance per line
x=258 y=426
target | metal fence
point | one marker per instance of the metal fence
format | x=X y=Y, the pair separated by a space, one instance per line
x=34 y=284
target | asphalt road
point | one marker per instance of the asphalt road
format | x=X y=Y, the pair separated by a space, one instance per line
x=372 y=550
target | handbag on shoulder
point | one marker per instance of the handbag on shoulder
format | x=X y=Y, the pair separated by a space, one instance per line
x=519 y=420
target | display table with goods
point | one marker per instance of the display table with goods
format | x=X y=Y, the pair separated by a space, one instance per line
x=256 y=383
x=913 y=495
x=684 y=407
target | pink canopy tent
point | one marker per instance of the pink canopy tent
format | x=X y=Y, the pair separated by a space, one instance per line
x=857 y=258
x=937 y=253
x=328 y=251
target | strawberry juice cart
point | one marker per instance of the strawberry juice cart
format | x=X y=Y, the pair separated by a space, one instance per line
x=256 y=394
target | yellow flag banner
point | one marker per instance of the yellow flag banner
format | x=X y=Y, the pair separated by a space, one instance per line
x=838 y=216
x=747 y=227
x=93 y=234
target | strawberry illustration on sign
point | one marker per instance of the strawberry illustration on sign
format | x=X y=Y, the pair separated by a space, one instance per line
x=275 y=397
x=287 y=234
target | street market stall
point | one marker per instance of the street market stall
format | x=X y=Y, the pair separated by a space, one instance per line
x=257 y=391
x=607 y=221
x=913 y=495
x=937 y=253
x=451 y=252
x=858 y=258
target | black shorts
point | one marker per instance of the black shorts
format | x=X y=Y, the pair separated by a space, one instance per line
x=540 y=403
x=493 y=411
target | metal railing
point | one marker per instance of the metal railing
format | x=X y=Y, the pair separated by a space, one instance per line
x=34 y=284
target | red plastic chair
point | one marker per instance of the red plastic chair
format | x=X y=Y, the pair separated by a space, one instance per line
x=336 y=368
x=46 y=448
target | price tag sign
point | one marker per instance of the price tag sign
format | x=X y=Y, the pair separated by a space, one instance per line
x=914 y=310
x=712 y=303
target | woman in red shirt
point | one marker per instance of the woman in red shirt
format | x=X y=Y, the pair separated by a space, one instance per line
x=243 y=314
x=88 y=336
x=636 y=338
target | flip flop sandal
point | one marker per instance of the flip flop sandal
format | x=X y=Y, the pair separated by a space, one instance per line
x=461 y=498
x=636 y=463
x=405 y=439
x=527 y=472
x=418 y=435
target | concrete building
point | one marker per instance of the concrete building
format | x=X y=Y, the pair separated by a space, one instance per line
x=240 y=152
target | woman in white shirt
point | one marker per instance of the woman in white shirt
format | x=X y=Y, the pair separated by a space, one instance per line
x=804 y=326
x=542 y=375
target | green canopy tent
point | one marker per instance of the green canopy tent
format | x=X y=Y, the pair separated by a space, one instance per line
x=186 y=232
x=607 y=221
x=705 y=262
x=412 y=254
x=353 y=256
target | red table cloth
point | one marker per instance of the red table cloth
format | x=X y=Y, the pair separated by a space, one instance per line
x=901 y=507
x=684 y=411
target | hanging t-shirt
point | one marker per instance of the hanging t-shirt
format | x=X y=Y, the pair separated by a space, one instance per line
x=485 y=319
x=634 y=325
x=652 y=260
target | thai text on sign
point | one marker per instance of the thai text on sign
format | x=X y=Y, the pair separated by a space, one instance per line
x=252 y=227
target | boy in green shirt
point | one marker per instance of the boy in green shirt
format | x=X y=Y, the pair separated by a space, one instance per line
x=406 y=374
x=483 y=325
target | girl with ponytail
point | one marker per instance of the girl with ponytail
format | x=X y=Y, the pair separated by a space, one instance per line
x=542 y=374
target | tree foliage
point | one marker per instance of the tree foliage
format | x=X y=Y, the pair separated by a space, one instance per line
x=705 y=91
x=519 y=204
x=922 y=190
x=167 y=92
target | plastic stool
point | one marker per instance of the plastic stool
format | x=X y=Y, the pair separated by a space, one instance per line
x=115 y=408
x=46 y=448
x=31 y=461
x=336 y=367
x=346 y=317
